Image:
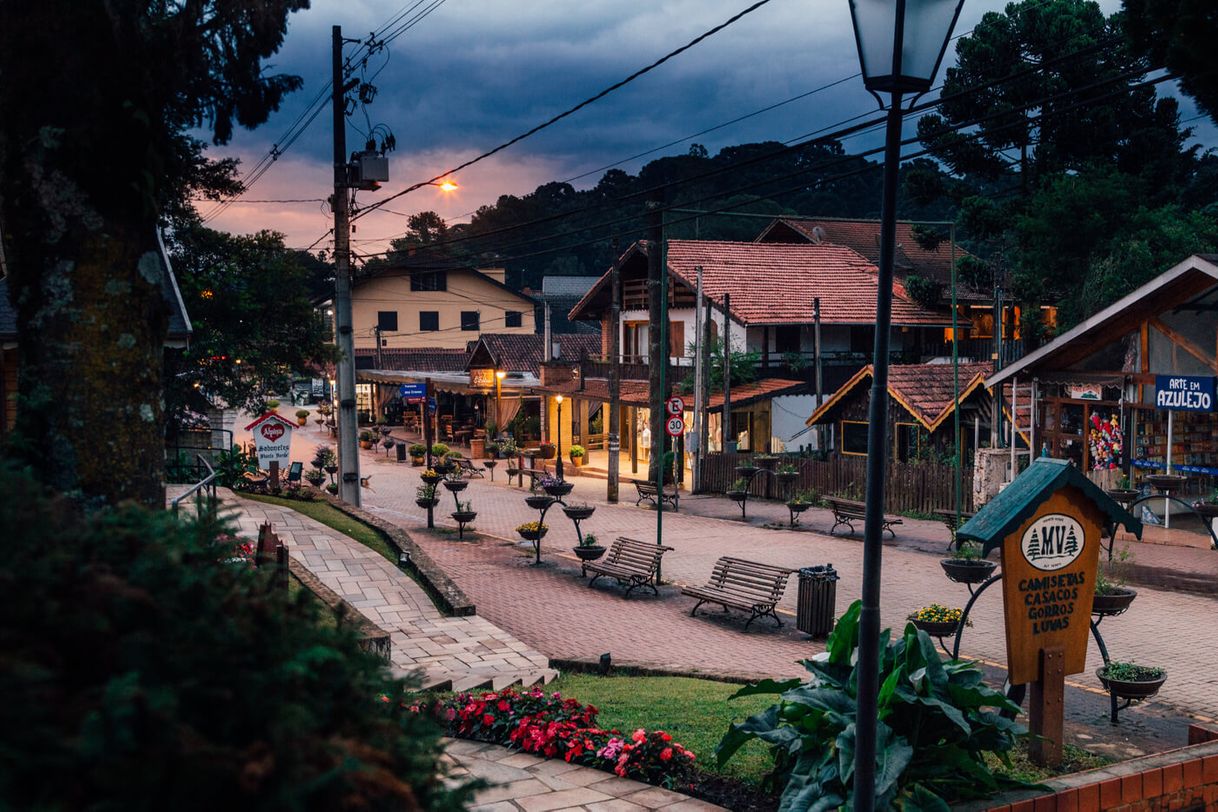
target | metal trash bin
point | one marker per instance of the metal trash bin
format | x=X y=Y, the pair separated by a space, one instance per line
x=401 y=447
x=816 y=605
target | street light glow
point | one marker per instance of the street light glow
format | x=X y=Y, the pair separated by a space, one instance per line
x=448 y=185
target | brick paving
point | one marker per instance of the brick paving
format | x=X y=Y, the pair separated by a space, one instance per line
x=552 y=609
x=465 y=651
x=526 y=783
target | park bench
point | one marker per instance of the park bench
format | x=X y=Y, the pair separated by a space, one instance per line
x=649 y=491
x=468 y=469
x=534 y=474
x=847 y=511
x=630 y=562
x=745 y=585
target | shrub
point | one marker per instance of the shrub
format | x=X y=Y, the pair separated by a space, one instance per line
x=302 y=413
x=937 y=721
x=144 y=671
x=417 y=450
x=439 y=450
x=577 y=450
x=323 y=456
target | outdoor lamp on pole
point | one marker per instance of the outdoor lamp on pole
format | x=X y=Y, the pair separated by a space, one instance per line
x=900 y=45
x=558 y=457
x=499 y=376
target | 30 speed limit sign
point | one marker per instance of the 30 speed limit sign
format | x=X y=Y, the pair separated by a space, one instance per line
x=675 y=426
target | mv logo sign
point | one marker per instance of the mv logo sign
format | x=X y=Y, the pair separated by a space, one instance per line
x=1053 y=542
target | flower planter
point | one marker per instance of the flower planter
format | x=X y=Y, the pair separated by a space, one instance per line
x=365 y=444
x=1131 y=689
x=1113 y=603
x=1166 y=482
x=547 y=451
x=427 y=503
x=787 y=478
x=416 y=461
x=431 y=479
x=967 y=571
x=746 y=470
x=589 y=552
x=538 y=502
x=937 y=628
x=1123 y=495
x=456 y=485
x=578 y=513
x=533 y=535
x=798 y=507
x=578 y=461
x=561 y=489
x=464 y=516
x=1207 y=510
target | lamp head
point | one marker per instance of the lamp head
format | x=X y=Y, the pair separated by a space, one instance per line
x=559 y=399
x=500 y=374
x=902 y=42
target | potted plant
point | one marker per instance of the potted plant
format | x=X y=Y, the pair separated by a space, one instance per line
x=455 y=484
x=418 y=452
x=746 y=470
x=546 y=451
x=439 y=450
x=464 y=512
x=577 y=453
x=315 y=477
x=538 y=501
x=787 y=473
x=365 y=438
x=324 y=457
x=1112 y=596
x=507 y=449
x=532 y=531
x=579 y=511
x=937 y=620
x=738 y=491
x=1130 y=680
x=766 y=461
x=1208 y=508
x=588 y=549
x=425 y=496
x=431 y=476
x=272 y=405
x=1167 y=483
x=332 y=488
x=800 y=502
x=555 y=486
x=965 y=564
x=387 y=444
x=302 y=417
x=1123 y=492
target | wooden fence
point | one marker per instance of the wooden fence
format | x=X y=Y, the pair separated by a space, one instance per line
x=911 y=486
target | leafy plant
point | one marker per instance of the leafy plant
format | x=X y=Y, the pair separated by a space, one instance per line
x=589 y=540
x=925 y=292
x=804 y=498
x=1112 y=577
x=453 y=455
x=577 y=450
x=439 y=450
x=937 y=720
x=417 y=450
x=332 y=488
x=1131 y=672
x=1123 y=483
x=740 y=484
x=302 y=413
x=965 y=551
x=232 y=465
x=324 y=456
x=315 y=477
x=366 y=436
x=787 y=468
x=532 y=527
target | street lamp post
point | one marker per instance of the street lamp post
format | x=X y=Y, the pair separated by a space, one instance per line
x=558 y=463
x=499 y=376
x=900 y=46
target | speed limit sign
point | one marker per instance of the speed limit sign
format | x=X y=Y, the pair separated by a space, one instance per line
x=675 y=426
x=674 y=405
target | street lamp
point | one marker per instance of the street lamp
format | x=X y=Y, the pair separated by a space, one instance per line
x=900 y=46
x=558 y=464
x=499 y=376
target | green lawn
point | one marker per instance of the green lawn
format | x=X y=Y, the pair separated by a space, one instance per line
x=695 y=711
x=335 y=519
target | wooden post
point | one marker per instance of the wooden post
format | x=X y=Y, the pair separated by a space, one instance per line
x=1046 y=711
x=273 y=485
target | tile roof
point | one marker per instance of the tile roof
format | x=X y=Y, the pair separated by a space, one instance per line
x=758 y=390
x=923 y=390
x=774 y=283
x=432 y=359
x=566 y=286
x=522 y=352
x=635 y=393
x=863 y=236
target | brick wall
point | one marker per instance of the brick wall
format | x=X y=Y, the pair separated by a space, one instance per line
x=1185 y=779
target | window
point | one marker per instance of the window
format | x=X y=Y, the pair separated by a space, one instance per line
x=676 y=339
x=470 y=320
x=908 y=442
x=387 y=320
x=429 y=320
x=854 y=437
x=432 y=280
x=786 y=338
x=512 y=318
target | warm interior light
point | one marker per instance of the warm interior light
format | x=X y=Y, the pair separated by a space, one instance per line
x=500 y=374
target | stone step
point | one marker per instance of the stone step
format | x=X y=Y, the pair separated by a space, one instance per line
x=473 y=682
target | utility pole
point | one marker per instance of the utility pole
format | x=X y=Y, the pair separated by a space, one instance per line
x=820 y=432
x=657 y=353
x=348 y=451
x=376 y=332
x=729 y=439
x=704 y=425
x=615 y=380
x=699 y=349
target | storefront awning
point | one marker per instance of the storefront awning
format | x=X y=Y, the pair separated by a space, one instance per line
x=456 y=382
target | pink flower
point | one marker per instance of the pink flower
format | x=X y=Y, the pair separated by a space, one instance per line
x=666 y=754
x=450 y=714
x=640 y=735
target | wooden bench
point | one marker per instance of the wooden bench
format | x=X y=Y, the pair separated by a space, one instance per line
x=846 y=511
x=745 y=585
x=630 y=562
x=467 y=469
x=649 y=491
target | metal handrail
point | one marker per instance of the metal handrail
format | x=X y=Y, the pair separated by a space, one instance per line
x=207 y=481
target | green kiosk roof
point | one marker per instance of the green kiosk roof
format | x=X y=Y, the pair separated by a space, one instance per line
x=1019 y=500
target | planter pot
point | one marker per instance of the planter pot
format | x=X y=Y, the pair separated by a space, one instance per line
x=416 y=461
x=533 y=535
x=746 y=470
x=577 y=461
x=936 y=628
x=967 y=571
x=737 y=496
x=431 y=479
x=365 y=444
x=1131 y=689
x=1123 y=495
x=768 y=463
x=798 y=507
x=456 y=485
x=578 y=513
x=302 y=421
x=1207 y=510
x=589 y=552
x=464 y=516
x=546 y=451
x=561 y=489
x=1166 y=482
x=1113 y=603
x=787 y=478
x=427 y=503
x=538 y=502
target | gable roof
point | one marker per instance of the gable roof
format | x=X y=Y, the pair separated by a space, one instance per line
x=522 y=352
x=863 y=236
x=774 y=283
x=1186 y=281
x=566 y=286
x=1019 y=500
x=923 y=390
x=408 y=267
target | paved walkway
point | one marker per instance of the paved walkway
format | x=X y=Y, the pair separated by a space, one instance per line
x=526 y=783
x=469 y=652
x=553 y=610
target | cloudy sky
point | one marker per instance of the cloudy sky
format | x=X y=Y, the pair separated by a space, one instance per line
x=475 y=73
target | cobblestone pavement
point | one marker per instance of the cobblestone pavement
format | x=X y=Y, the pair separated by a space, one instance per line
x=526 y=783
x=466 y=651
x=552 y=609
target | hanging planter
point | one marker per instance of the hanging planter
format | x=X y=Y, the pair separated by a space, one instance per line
x=1167 y=482
x=532 y=531
x=456 y=485
x=1123 y=495
x=1112 y=601
x=579 y=512
x=557 y=487
x=968 y=570
x=431 y=476
x=1131 y=681
x=589 y=552
x=937 y=620
x=427 y=503
x=547 y=451
x=539 y=501
x=746 y=470
x=464 y=516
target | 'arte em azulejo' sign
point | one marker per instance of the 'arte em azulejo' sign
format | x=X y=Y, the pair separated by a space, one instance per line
x=1184 y=393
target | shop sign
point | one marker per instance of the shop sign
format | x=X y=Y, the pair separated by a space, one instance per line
x=272 y=439
x=1085 y=391
x=482 y=378
x=413 y=392
x=1184 y=393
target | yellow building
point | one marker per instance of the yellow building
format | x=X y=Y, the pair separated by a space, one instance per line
x=436 y=307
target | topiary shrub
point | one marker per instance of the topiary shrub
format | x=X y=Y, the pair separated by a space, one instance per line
x=143 y=668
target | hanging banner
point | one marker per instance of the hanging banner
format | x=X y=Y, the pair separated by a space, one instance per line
x=1184 y=393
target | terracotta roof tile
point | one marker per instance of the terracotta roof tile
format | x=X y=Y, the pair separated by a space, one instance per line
x=757 y=390
x=418 y=360
x=522 y=352
x=924 y=390
x=774 y=283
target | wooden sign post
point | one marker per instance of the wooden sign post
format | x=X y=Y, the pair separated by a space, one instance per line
x=1048 y=524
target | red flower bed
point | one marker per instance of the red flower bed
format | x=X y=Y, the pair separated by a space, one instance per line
x=550 y=726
